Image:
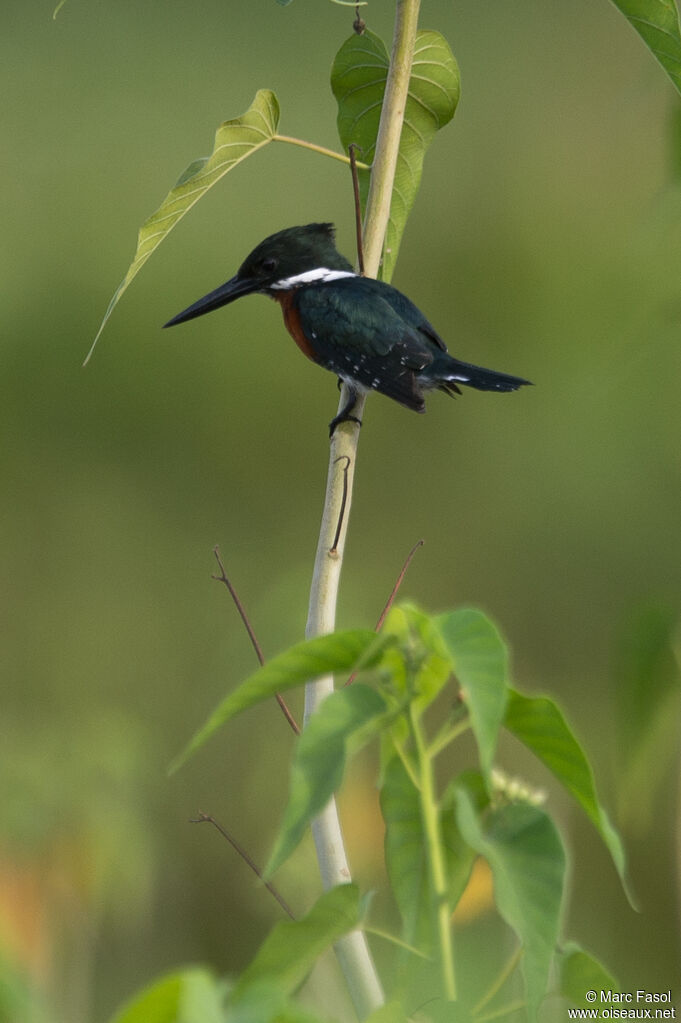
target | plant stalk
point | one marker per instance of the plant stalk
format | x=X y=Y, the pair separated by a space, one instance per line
x=389 y=132
x=431 y=826
x=353 y=951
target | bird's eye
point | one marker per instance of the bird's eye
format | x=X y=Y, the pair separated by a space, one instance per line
x=269 y=265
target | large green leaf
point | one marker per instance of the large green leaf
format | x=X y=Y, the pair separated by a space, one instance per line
x=526 y=855
x=292 y=947
x=234 y=141
x=189 y=996
x=540 y=725
x=350 y=714
x=339 y=651
x=657 y=23
x=480 y=662
x=358 y=80
x=405 y=851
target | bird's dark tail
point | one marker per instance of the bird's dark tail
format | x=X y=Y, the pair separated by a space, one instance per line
x=447 y=372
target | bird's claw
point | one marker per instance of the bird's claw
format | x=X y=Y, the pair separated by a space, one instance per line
x=342 y=419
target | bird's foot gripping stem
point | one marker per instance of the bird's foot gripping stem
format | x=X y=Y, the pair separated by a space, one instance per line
x=344 y=415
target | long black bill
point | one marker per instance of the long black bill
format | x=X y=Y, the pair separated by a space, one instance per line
x=233 y=288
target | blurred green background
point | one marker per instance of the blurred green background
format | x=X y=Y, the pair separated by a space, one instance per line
x=546 y=241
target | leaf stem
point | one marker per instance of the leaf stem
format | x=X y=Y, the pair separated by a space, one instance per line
x=407 y=764
x=434 y=849
x=322 y=150
x=448 y=734
x=496 y=986
x=505 y=1010
x=386 y=936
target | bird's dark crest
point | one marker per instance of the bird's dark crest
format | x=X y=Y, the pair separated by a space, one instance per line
x=295 y=250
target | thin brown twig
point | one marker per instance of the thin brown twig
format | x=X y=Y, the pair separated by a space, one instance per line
x=352 y=153
x=393 y=593
x=207 y=818
x=223 y=578
x=398 y=583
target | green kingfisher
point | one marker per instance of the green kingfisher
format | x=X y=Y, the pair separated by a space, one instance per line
x=365 y=331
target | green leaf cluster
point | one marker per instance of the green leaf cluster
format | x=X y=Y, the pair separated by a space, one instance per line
x=451 y=669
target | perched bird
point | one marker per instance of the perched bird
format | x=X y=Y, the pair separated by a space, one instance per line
x=365 y=331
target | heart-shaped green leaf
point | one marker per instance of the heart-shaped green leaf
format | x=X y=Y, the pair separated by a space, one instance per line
x=657 y=23
x=234 y=141
x=358 y=80
x=526 y=855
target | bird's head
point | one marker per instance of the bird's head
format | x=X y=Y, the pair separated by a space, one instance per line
x=285 y=260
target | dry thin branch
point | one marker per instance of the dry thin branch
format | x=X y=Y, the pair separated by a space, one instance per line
x=223 y=578
x=398 y=583
x=391 y=599
x=207 y=818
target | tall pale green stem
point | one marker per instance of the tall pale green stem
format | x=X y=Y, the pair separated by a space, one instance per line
x=353 y=951
x=389 y=132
